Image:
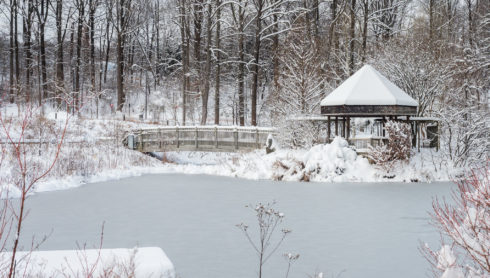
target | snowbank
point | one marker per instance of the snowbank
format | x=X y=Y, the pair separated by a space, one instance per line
x=334 y=162
x=147 y=262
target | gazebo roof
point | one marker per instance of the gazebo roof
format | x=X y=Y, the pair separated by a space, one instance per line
x=368 y=92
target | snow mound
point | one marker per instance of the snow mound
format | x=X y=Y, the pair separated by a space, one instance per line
x=334 y=162
x=147 y=262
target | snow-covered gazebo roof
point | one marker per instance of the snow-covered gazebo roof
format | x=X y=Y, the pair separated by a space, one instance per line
x=368 y=93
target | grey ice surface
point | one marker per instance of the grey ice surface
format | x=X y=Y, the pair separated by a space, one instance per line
x=351 y=229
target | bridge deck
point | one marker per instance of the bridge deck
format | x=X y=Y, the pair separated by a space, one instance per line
x=198 y=138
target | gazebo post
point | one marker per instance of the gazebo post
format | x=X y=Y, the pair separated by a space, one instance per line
x=348 y=128
x=328 y=129
x=336 y=126
x=343 y=127
x=383 y=126
x=418 y=137
x=438 y=136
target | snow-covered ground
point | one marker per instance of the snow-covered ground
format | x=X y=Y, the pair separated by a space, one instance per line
x=93 y=152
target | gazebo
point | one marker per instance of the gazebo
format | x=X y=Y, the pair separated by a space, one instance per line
x=368 y=94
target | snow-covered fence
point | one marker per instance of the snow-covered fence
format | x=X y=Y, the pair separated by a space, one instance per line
x=4 y=141
x=198 y=138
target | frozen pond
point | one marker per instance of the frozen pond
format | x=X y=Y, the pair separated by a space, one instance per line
x=361 y=230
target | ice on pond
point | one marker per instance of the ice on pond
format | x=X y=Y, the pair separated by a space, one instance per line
x=357 y=229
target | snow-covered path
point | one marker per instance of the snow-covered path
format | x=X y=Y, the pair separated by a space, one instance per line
x=366 y=230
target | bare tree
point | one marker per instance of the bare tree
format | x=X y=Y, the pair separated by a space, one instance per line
x=13 y=39
x=27 y=29
x=123 y=19
x=42 y=8
x=207 y=70
x=218 y=61
x=301 y=82
x=80 y=6
x=239 y=10
x=267 y=23
x=352 y=36
x=28 y=172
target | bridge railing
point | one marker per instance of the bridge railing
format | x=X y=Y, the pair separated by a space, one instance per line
x=198 y=138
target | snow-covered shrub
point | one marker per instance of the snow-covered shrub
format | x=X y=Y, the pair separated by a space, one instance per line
x=323 y=162
x=298 y=134
x=467 y=225
x=397 y=148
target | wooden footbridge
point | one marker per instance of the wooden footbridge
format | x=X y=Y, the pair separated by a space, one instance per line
x=198 y=138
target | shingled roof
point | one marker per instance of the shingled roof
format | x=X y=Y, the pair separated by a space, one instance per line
x=367 y=92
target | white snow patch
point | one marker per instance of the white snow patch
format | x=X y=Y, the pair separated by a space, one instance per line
x=146 y=262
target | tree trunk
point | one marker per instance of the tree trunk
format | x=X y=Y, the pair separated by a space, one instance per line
x=218 y=68
x=316 y=13
x=275 y=47
x=470 y=22
x=332 y=39
x=42 y=13
x=159 y=55
x=108 y=33
x=42 y=47
x=352 y=36
x=255 y=70
x=431 y=20
x=92 y=8
x=185 y=55
x=81 y=11
x=60 y=76
x=207 y=70
x=27 y=47
x=72 y=65
x=364 y=29
x=121 y=97
x=11 y=52
x=241 y=67
x=123 y=8
x=16 y=43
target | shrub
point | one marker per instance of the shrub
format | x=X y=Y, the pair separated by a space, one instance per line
x=466 y=223
x=397 y=148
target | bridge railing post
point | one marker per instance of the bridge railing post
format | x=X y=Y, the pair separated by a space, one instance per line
x=257 y=138
x=235 y=133
x=141 y=141
x=197 y=137
x=178 y=136
x=160 y=139
x=216 y=137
